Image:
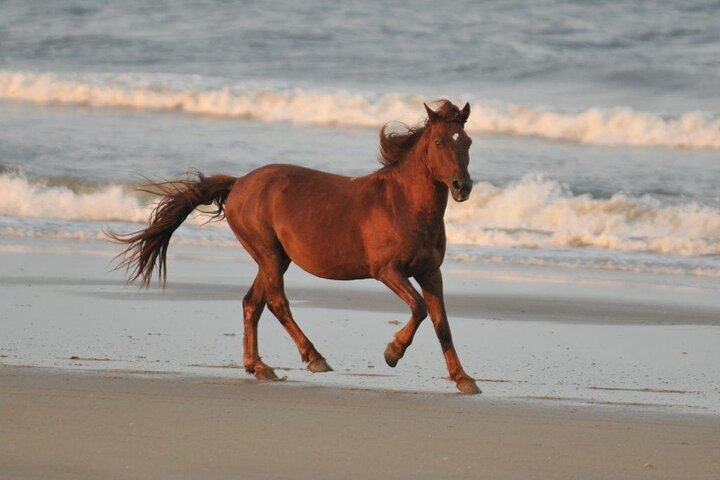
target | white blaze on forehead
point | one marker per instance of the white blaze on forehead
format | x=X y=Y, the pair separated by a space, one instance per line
x=455 y=136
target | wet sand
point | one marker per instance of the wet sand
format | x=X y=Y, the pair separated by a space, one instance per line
x=556 y=336
x=64 y=425
x=585 y=375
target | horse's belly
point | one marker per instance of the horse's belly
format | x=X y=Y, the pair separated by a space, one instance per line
x=334 y=252
x=337 y=262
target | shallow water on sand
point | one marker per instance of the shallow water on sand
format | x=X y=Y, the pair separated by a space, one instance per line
x=587 y=338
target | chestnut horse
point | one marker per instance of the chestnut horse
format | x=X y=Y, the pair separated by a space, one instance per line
x=388 y=226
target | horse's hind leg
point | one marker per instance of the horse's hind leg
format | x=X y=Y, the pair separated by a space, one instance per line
x=272 y=274
x=253 y=306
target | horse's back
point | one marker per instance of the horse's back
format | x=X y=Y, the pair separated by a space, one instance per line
x=291 y=189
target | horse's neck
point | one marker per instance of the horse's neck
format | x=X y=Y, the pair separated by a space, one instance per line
x=423 y=194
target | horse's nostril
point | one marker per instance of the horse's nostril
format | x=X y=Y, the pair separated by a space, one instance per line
x=456 y=185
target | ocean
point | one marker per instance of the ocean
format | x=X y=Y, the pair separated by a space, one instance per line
x=596 y=126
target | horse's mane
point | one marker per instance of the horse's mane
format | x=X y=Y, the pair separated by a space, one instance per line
x=394 y=146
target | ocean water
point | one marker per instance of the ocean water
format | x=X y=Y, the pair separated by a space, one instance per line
x=596 y=127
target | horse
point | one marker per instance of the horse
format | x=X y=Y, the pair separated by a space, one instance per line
x=388 y=225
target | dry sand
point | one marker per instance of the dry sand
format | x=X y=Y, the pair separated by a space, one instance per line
x=61 y=425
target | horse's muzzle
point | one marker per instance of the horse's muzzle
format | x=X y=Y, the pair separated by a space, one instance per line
x=460 y=190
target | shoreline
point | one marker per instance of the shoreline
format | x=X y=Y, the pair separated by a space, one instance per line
x=234 y=373
x=543 y=335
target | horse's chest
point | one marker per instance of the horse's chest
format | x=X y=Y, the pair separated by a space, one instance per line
x=422 y=251
x=413 y=240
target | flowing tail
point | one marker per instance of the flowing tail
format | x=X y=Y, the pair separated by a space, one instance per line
x=148 y=247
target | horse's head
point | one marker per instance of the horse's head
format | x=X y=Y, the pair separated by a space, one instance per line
x=449 y=148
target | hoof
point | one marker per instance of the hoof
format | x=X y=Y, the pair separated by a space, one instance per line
x=266 y=374
x=468 y=386
x=392 y=354
x=319 y=365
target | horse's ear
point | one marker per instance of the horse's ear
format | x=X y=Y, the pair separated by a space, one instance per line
x=465 y=112
x=432 y=115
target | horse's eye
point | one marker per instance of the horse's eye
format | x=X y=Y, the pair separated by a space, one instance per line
x=437 y=142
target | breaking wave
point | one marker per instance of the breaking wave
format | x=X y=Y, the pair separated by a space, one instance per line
x=73 y=200
x=534 y=212
x=24 y=199
x=203 y=96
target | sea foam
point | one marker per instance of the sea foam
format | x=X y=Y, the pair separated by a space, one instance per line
x=24 y=199
x=611 y=126
x=536 y=212
x=533 y=212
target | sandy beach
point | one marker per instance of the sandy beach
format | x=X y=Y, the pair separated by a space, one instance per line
x=585 y=374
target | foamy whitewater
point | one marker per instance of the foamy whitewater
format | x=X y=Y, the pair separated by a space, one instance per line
x=596 y=143
x=609 y=126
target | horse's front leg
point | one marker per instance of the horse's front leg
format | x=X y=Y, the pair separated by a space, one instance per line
x=399 y=283
x=432 y=287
